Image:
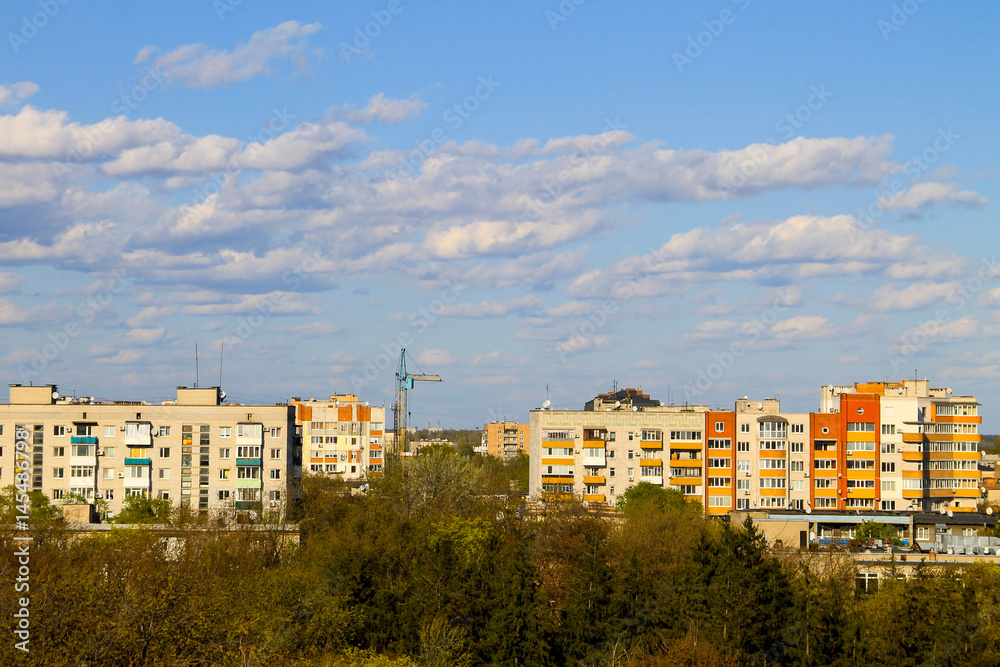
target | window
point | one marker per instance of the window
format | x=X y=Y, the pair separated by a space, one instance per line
x=743 y=484
x=58 y=452
x=719 y=463
x=108 y=473
x=777 y=430
x=888 y=466
x=888 y=505
x=84 y=430
x=796 y=466
x=720 y=482
x=772 y=464
x=275 y=454
x=888 y=448
x=164 y=452
x=798 y=428
x=81 y=450
x=247 y=472
x=860 y=446
x=888 y=485
x=860 y=464
x=164 y=431
x=276 y=432
x=860 y=427
x=720 y=427
x=611 y=472
x=274 y=495
x=742 y=503
x=923 y=533
x=720 y=443
x=651 y=435
x=861 y=483
x=58 y=473
x=224 y=452
x=109 y=431
x=247 y=452
x=720 y=501
x=825 y=464
x=224 y=494
x=164 y=473
x=685 y=435
x=888 y=429
x=797 y=448
x=109 y=494
x=57 y=494
x=224 y=473
x=743 y=446
x=225 y=431
x=275 y=473
x=249 y=430
x=59 y=431
x=824 y=483
x=110 y=452
x=772 y=444
x=772 y=482
x=81 y=471
x=744 y=428
x=797 y=485
x=135 y=472
x=742 y=466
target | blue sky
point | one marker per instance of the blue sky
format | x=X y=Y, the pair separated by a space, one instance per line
x=669 y=195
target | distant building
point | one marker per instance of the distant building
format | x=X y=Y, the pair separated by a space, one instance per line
x=193 y=451
x=506 y=439
x=873 y=446
x=343 y=437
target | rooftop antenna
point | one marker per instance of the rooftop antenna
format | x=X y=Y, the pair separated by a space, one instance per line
x=196 y=365
x=222 y=353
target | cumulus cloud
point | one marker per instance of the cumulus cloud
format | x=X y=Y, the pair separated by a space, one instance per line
x=431 y=357
x=199 y=66
x=889 y=297
x=923 y=195
x=17 y=91
x=381 y=108
x=486 y=309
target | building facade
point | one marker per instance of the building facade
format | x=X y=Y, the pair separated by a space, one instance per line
x=343 y=436
x=506 y=439
x=871 y=447
x=193 y=451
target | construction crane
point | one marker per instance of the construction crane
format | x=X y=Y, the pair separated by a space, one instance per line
x=404 y=382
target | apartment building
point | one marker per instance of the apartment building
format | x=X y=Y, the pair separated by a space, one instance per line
x=343 y=436
x=506 y=439
x=193 y=450
x=872 y=447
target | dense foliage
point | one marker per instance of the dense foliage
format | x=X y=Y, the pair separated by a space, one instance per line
x=438 y=564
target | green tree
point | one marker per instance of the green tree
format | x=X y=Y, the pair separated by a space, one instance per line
x=875 y=530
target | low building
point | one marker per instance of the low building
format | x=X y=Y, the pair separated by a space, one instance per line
x=194 y=450
x=506 y=439
x=343 y=436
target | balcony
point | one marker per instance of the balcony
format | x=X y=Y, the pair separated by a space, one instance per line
x=138 y=462
x=249 y=462
x=594 y=479
x=593 y=497
x=248 y=504
x=652 y=479
x=651 y=444
x=82 y=440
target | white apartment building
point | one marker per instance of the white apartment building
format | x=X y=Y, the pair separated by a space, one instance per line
x=343 y=437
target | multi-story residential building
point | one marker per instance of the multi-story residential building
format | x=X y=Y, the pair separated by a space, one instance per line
x=343 y=436
x=194 y=451
x=506 y=439
x=872 y=447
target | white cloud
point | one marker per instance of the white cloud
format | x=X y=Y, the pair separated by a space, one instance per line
x=277 y=303
x=804 y=327
x=10 y=282
x=148 y=315
x=889 y=298
x=17 y=91
x=198 y=66
x=301 y=147
x=646 y=364
x=431 y=357
x=497 y=359
x=933 y=194
x=519 y=304
x=382 y=108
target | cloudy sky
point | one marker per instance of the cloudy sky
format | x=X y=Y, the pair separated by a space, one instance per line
x=709 y=200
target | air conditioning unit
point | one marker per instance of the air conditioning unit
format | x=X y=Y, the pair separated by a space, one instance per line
x=805 y=475
x=121 y=475
x=748 y=473
x=746 y=493
x=123 y=428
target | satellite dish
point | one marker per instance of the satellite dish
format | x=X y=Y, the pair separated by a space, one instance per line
x=55 y=396
x=547 y=404
x=366 y=404
x=618 y=404
x=944 y=510
x=760 y=406
x=809 y=510
x=989 y=510
x=222 y=395
x=635 y=408
x=950 y=513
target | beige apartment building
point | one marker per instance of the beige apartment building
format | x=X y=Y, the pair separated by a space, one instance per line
x=506 y=439
x=193 y=451
x=343 y=436
x=873 y=446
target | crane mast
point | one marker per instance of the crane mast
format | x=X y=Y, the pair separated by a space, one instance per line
x=404 y=382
